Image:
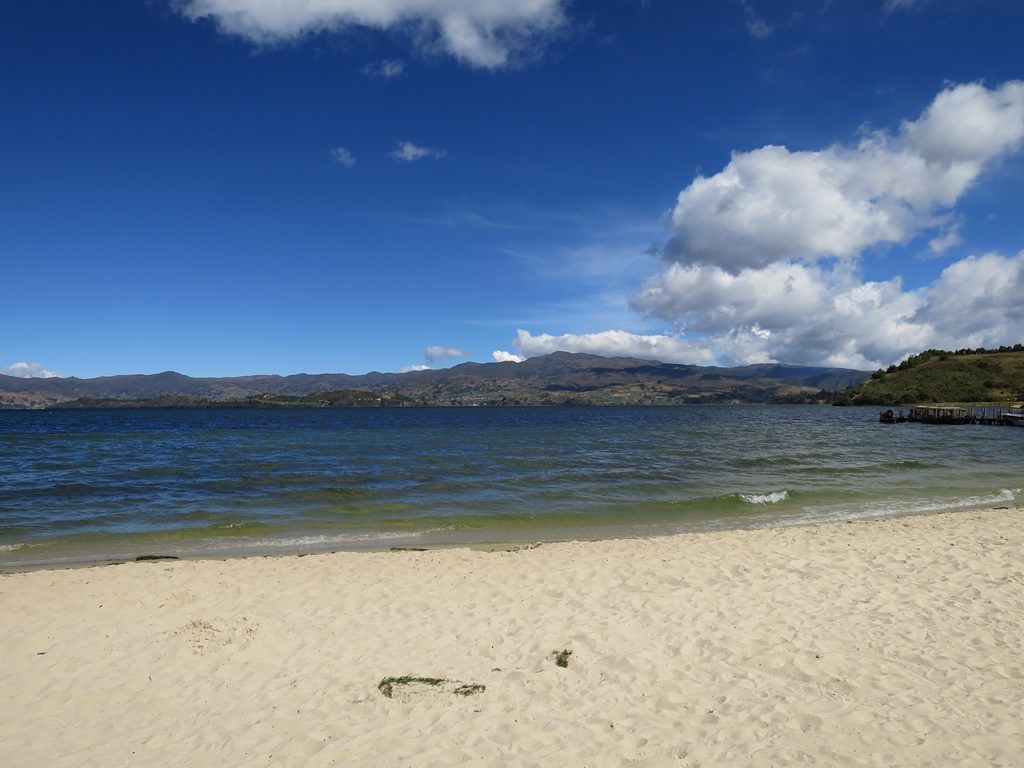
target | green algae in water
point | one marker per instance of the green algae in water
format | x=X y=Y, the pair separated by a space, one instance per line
x=198 y=483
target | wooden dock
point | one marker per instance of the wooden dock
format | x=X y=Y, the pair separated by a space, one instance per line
x=948 y=414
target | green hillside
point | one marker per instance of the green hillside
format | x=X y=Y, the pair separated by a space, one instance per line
x=940 y=376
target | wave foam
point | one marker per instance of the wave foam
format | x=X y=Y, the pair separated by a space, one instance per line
x=765 y=498
x=967 y=502
x=899 y=509
x=11 y=547
x=340 y=539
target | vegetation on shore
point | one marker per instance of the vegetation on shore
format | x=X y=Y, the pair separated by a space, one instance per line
x=344 y=398
x=361 y=399
x=941 y=376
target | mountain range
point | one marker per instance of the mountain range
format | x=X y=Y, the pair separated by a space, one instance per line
x=556 y=379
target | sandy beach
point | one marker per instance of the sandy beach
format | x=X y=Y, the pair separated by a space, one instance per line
x=883 y=643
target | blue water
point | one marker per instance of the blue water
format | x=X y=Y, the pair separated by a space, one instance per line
x=88 y=485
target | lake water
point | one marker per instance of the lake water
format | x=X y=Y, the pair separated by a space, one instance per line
x=91 y=485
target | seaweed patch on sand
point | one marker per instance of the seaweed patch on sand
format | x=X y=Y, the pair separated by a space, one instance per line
x=561 y=657
x=406 y=687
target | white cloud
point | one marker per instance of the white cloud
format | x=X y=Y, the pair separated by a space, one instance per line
x=710 y=299
x=756 y=24
x=805 y=313
x=765 y=265
x=901 y=5
x=943 y=242
x=976 y=302
x=386 y=69
x=29 y=371
x=501 y=356
x=482 y=33
x=773 y=204
x=343 y=157
x=789 y=312
x=431 y=355
x=615 y=343
x=409 y=152
x=965 y=126
x=765 y=262
x=434 y=353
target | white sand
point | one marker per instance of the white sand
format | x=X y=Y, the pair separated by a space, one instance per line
x=883 y=643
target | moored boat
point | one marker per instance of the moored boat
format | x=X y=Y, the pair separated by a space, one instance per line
x=1013 y=419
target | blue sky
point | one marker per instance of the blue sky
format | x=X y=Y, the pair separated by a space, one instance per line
x=227 y=187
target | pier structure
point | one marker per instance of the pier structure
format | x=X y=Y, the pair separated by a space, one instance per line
x=949 y=414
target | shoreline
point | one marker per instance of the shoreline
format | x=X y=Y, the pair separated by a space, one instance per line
x=518 y=539
x=875 y=642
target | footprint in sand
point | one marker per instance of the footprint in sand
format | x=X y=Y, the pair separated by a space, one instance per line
x=206 y=636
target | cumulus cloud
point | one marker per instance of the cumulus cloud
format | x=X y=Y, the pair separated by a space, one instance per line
x=976 y=302
x=813 y=314
x=409 y=153
x=29 y=371
x=773 y=203
x=344 y=157
x=708 y=298
x=501 y=356
x=615 y=343
x=434 y=353
x=386 y=69
x=806 y=313
x=789 y=312
x=482 y=33
x=765 y=262
x=411 y=368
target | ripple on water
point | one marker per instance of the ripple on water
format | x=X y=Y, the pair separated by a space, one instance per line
x=246 y=478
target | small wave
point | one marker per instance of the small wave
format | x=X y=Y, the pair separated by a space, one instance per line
x=906 y=465
x=11 y=547
x=967 y=502
x=898 y=509
x=298 y=542
x=765 y=498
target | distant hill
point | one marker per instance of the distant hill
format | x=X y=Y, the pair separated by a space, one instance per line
x=344 y=398
x=940 y=376
x=561 y=378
